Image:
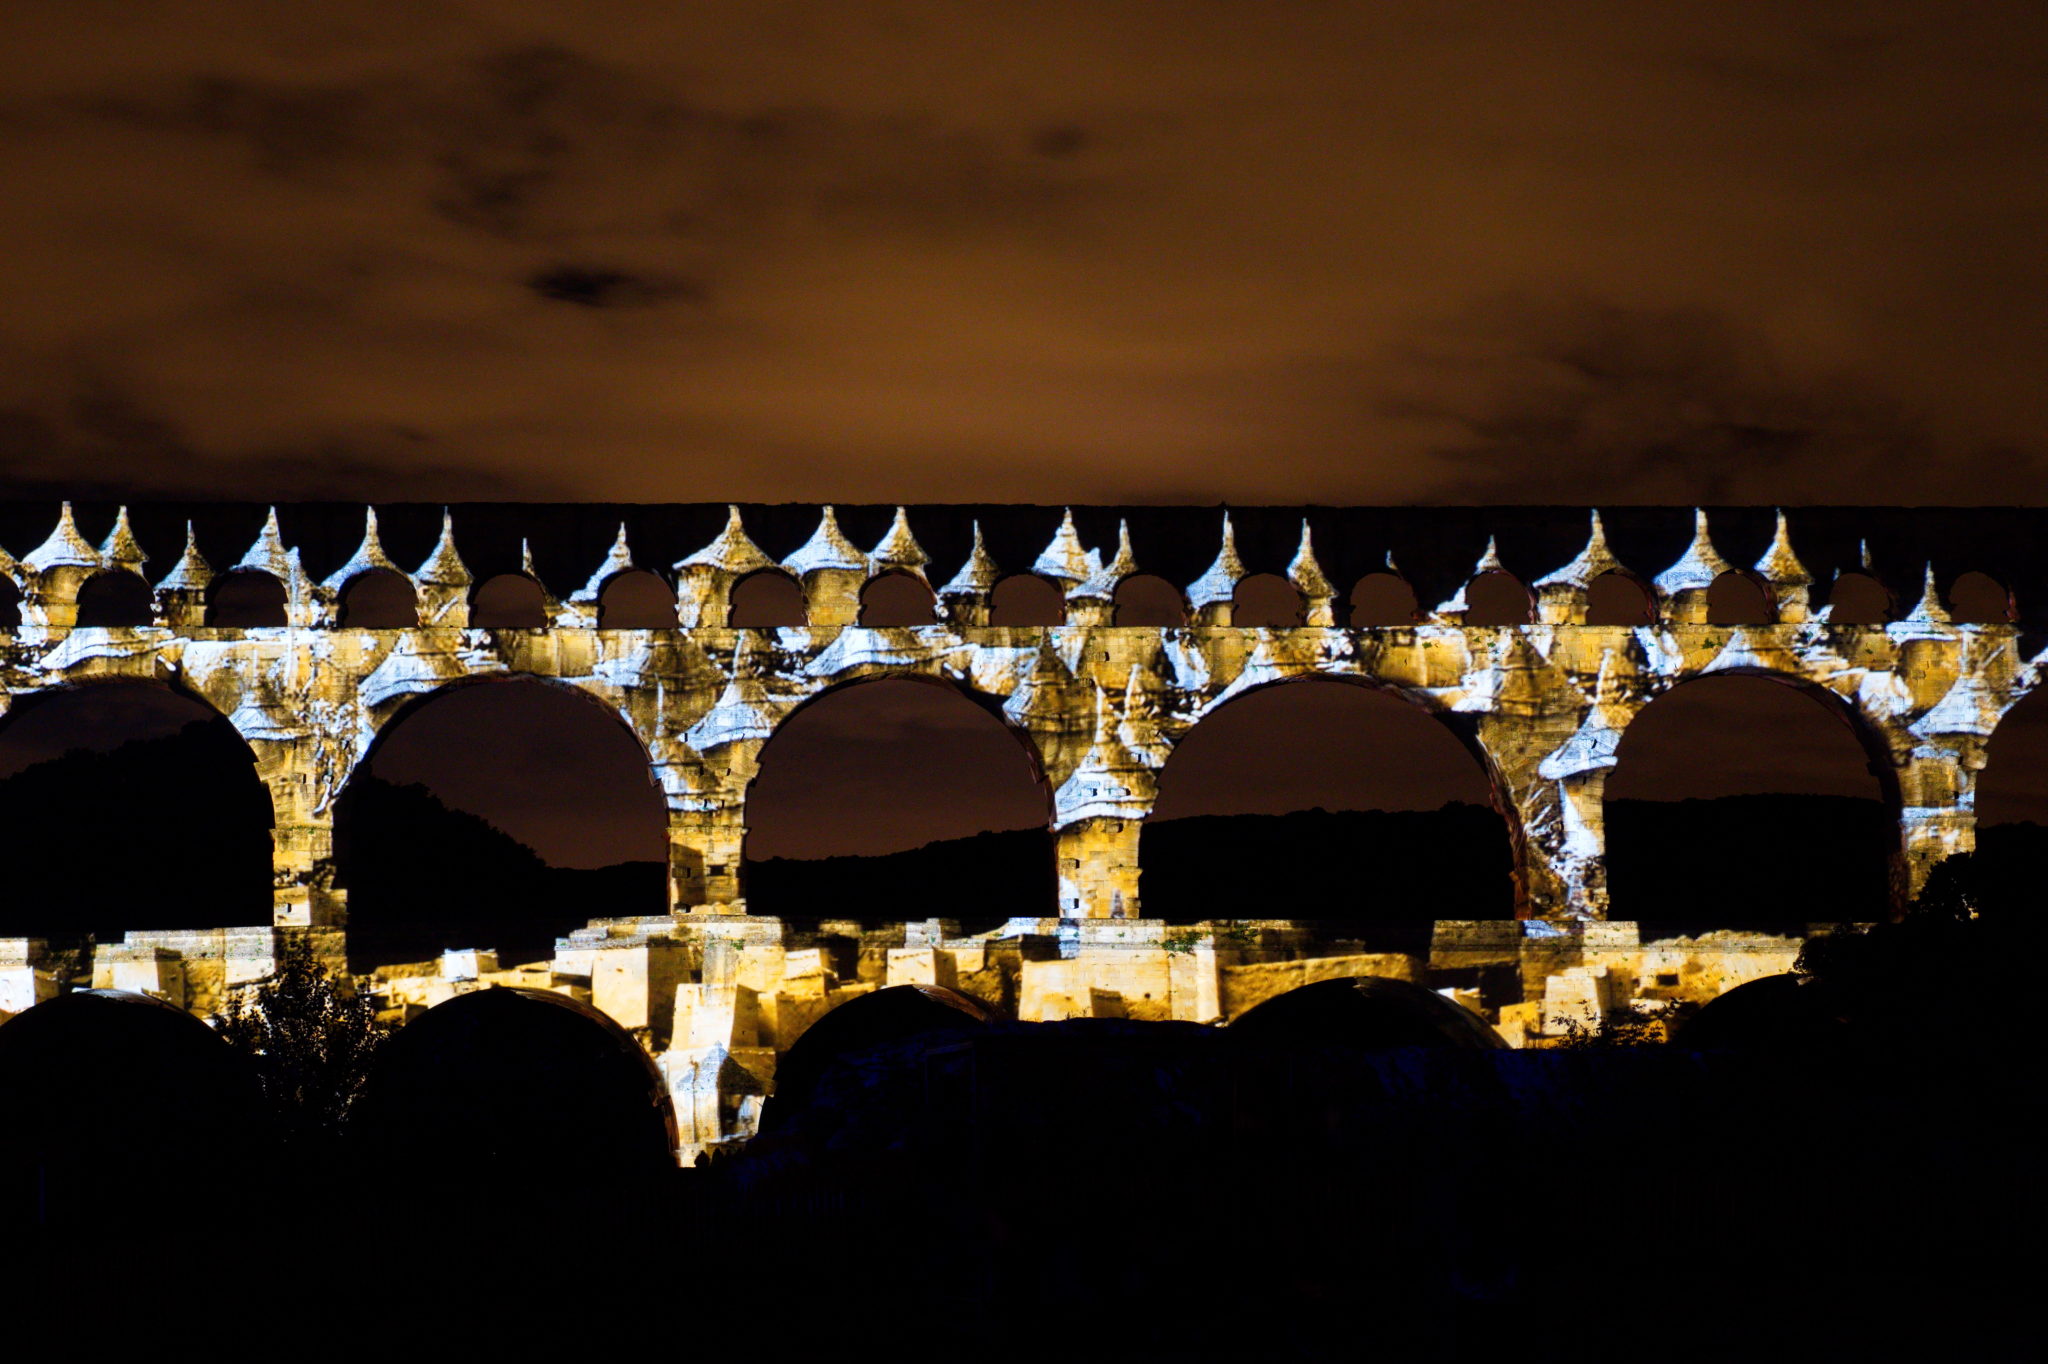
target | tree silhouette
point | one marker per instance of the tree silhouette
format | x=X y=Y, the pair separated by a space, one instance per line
x=312 y=1041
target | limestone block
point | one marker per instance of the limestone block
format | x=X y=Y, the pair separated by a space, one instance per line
x=633 y=981
x=467 y=963
x=23 y=987
x=1580 y=996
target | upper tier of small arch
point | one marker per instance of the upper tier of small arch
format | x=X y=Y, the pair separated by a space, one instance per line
x=1739 y=565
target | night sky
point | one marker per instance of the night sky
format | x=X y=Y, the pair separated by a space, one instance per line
x=1273 y=252
x=1108 y=251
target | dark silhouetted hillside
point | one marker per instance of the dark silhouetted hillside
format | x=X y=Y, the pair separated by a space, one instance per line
x=980 y=881
x=422 y=877
x=1771 y=863
x=172 y=832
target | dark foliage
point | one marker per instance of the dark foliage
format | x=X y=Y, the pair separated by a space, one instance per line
x=311 y=1040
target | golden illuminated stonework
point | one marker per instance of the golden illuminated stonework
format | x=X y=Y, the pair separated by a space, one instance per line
x=1101 y=705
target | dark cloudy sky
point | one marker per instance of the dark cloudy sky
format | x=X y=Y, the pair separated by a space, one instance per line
x=1268 y=251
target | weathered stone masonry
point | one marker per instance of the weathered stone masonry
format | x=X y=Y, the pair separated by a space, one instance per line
x=1543 y=705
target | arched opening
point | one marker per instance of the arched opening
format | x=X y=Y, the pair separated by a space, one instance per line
x=638 y=599
x=1858 y=599
x=897 y=1016
x=246 y=599
x=1615 y=598
x=128 y=806
x=1370 y=1012
x=1328 y=801
x=509 y=601
x=1266 y=601
x=2012 y=813
x=107 y=1093
x=1496 y=598
x=1772 y=1013
x=379 y=599
x=10 y=603
x=767 y=600
x=1025 y=600
x=1736 y=598
x=1739 y=802
x=898 y=799
x=1146 y=599
x=113 y=600
x=514 y=1091
x=497 y=815
x=1383 y=599
x=895 y=601
x=1978 y=599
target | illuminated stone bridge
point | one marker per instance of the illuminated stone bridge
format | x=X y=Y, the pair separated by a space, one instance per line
x=1550 y=631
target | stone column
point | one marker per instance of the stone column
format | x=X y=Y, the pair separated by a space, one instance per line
x=704 y=850
x=303 y=893
x=1098 y=869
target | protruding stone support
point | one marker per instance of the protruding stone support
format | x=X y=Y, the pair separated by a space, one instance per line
x=53 y=572
x=704 y=580
x=180 y=599
x=441 y=586
x=832 y=571
x=967 y=596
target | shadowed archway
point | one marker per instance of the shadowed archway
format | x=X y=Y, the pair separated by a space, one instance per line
x=1739 y=801
x=1326 y=800
x=128 y=806
x=898 y=798
x=499 y=814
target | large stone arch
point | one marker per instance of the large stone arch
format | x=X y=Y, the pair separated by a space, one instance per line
x=876 y=1018
x=503 y=878
x=777 y=876
x=518 y=1082
x=1754 y=855
x=1427 y=733
x=163 y=827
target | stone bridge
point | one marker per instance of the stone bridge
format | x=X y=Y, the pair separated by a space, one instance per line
x=1535 y=634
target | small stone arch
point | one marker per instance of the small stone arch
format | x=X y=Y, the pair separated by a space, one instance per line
x=114 y=599
x=1617 y=597
x=1384 y=599
x=1148 y=600
x=379 y=599
x=767 y=599
x=509 y=601
x=1976 y=598
x=636 y=599
x=1266 y=601
x=247 y=599
x=1859 y=599
x=1026 y=600
x=1738 y=597
x=897 y=600
x=1498 y=598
